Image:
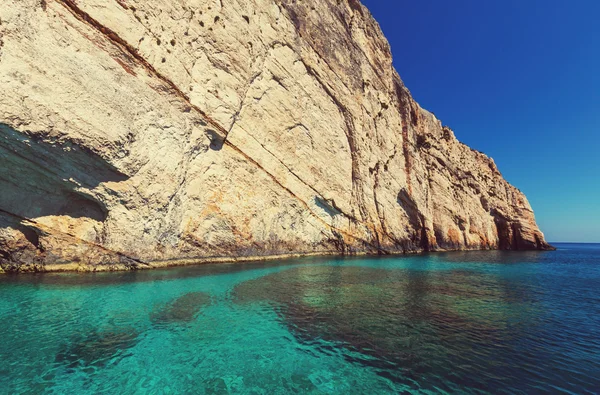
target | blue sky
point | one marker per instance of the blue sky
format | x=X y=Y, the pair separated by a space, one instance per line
x=518 y=80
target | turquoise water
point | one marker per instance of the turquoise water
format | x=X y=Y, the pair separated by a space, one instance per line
x=479 y=322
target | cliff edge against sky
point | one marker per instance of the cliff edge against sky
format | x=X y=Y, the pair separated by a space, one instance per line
x=138 y=133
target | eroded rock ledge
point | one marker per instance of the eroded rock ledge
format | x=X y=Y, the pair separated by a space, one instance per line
x=143 y=133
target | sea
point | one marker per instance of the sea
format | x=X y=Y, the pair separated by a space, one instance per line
x=489 y=322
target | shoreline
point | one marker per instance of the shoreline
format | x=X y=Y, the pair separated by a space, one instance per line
x=75 y=267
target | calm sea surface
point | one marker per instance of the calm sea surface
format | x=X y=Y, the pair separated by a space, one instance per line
x=478 y=322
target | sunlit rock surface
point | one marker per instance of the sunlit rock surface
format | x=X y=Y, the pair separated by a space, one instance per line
x=145 y=133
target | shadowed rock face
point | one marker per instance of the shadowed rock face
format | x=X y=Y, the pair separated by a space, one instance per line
x=51 y=181
x=40 y=177
x=150 y=138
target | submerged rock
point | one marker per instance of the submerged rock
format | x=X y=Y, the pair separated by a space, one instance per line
x=411 y=322
x=150 y=139
x=96 y=349
x=180 y=310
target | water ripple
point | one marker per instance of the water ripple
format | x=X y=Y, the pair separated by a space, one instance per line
x=489 y=322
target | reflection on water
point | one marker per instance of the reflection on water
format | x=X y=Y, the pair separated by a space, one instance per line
x=472 y=322
x=99 y=279
x=499 y=257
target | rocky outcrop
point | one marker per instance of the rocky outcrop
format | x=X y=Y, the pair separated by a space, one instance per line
x=140 y=133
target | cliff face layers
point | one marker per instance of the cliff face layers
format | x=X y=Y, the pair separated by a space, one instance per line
x=136 y=132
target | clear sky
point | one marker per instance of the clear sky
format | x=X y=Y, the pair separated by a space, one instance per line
x=518 y=80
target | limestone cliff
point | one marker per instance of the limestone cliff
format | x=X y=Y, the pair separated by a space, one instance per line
x=138 y=133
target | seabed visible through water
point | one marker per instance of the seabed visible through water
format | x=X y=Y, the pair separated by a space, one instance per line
x=474 y=322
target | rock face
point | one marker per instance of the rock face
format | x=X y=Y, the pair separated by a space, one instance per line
x=139 y=133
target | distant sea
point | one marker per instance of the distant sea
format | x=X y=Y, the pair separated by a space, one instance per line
x=472 y=322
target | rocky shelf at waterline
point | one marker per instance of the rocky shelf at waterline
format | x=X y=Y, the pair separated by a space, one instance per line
x=146 y=131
